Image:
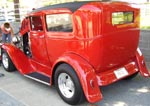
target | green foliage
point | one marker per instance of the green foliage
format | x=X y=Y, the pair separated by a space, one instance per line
x=145 y=27
x=10 y=0
x=145 y=23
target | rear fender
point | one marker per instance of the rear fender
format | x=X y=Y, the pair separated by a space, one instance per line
x=141 y=64
x=19 y=59
x=86 y=75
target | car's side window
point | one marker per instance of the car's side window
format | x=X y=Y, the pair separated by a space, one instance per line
x=36 y=23
x=59 y=23
x=122 y=17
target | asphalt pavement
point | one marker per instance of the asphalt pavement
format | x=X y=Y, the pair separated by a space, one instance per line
x=17 y=90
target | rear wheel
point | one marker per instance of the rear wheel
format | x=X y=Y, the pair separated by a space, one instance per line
x=68 y=85
x=6 y=62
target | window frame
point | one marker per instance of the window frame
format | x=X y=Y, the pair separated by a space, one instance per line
x=31 y=26
x=61 y=30
x=124 y=21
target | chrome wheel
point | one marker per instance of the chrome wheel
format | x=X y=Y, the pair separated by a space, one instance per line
x=5 y=60
x=7 y=63
x=66 y=85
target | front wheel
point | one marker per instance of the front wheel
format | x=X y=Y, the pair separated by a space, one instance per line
x=68 y=85
x=6 y=62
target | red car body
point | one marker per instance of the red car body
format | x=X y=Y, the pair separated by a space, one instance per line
x=99 y=50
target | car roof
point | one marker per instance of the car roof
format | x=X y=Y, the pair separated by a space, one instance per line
x=73 y=6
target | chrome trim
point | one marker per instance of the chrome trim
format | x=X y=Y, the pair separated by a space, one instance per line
x=37 y=80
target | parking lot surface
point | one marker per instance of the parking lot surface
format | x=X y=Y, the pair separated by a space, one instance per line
x=17 y=90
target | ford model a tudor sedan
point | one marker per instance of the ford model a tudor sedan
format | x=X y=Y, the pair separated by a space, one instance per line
x=78 y=47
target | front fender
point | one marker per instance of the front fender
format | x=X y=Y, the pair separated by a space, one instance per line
x=19 y=59
x=86 y=75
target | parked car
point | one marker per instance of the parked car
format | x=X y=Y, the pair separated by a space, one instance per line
x=78 y=47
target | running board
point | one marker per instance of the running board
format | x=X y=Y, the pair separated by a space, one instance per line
x=39 y=77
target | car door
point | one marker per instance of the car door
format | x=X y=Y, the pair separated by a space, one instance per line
x=37 y=41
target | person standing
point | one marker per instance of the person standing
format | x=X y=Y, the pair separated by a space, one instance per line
x=7 y=32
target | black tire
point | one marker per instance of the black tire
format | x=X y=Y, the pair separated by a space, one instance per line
x=7 y=63
x=131 y=77
x=69 y=74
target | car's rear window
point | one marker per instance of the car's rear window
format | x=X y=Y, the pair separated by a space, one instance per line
x=122 y=18
x=59 y=23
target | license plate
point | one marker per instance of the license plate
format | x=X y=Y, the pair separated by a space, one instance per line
x=121 y=72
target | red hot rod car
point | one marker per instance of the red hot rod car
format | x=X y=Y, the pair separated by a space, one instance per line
x=78 y=47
